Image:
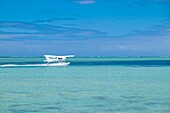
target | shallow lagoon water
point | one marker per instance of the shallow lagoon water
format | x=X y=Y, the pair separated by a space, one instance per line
x=88 y=85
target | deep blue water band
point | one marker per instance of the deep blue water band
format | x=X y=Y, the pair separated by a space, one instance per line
x=91 y=61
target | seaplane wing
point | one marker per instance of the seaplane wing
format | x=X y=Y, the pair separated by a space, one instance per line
x=53 y=58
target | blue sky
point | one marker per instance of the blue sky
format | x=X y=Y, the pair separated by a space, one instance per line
x=85 y=27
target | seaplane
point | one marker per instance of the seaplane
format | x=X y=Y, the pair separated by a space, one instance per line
x=53 y=60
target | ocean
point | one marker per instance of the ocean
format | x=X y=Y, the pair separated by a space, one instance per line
x=87 y=85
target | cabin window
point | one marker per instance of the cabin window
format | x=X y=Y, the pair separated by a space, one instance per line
x=51 y=57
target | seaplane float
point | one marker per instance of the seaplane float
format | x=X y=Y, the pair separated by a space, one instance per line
x=53 y=60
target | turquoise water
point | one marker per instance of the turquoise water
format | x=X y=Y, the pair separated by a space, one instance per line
x=87 y=85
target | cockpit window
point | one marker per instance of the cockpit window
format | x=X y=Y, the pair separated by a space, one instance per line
x=51 y=57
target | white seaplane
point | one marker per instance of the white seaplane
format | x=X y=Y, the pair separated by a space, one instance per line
x=53 y=60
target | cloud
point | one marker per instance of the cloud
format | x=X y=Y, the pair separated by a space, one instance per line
x=125 y=47
x=42 y=31
x=55 y=20
x=45 y=32
x=158 y=0
x=25 y=25
x=157 y=30
x=139 y=3
x=85 y=1
x=81 y=41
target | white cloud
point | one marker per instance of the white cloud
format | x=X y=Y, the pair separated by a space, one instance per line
x=125 y=47
x=85 y=1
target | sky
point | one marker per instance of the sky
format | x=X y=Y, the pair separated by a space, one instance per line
x=85 y=27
